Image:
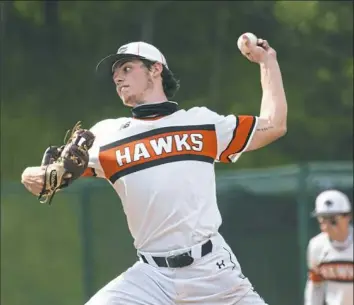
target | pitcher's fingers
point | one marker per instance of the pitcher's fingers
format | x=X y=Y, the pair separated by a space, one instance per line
x=246 y=40
x=264 y=44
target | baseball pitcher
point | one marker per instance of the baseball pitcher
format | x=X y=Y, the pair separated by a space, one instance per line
x=160 y=161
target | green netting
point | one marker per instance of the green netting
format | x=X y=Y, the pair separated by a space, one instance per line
x=62 y=254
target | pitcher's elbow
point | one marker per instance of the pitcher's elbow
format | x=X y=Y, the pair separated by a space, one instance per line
x=281 y=131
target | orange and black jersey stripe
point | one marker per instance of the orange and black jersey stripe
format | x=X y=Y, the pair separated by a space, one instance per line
x=240 y=137
x=156 y=147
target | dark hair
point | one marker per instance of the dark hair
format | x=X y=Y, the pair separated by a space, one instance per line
x=169 y=83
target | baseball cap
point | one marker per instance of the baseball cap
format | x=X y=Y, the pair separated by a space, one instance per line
x=134 y=49
x=331 y=202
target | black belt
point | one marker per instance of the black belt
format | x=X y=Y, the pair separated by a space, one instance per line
x=180 y=260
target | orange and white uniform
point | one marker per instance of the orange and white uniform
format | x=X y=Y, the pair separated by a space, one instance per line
x=163 y=171
x=331 y=271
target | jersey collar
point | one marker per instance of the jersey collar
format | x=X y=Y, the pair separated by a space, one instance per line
x=154 y=111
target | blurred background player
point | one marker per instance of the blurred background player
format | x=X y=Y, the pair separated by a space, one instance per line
x=330 y=253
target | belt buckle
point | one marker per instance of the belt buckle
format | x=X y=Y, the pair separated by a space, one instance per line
x=167 y=261
x=181 y=260
x=168 y=257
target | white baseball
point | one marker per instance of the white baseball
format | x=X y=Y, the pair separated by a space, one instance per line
x=252 y=38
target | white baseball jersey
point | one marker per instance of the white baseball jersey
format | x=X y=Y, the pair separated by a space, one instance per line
x=330 y=271
x=163 y=171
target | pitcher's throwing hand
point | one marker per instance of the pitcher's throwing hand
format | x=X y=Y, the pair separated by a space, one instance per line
x=255 y=49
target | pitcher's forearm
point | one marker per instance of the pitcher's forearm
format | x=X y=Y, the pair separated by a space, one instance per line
x=274 y=105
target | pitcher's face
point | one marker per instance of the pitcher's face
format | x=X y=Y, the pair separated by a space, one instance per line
x=133 y=81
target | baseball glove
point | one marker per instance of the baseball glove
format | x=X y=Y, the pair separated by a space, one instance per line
x=65 y=163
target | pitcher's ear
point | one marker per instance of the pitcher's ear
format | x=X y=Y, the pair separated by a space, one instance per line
x=156 y=69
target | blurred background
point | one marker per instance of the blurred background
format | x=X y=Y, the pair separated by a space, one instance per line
x=62 y=254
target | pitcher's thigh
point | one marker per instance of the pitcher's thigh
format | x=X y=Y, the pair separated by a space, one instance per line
x=242 y=294
x=139 y=285
x=252 y=298
x=216 y=279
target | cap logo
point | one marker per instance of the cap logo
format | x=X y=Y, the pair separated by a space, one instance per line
x=328 y=203
x=125 y=125
x=122 y=49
